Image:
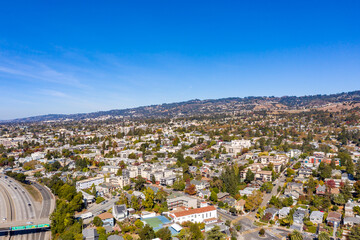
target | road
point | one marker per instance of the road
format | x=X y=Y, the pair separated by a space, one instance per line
x=20 y=207
x=249 y=230
x=96 y=209
x=48 y=205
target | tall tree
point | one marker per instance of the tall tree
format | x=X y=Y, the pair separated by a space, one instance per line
x=215 y=234
x=147 y=233
x=250 y=176
x=196 y=232
x=164 y=234
x=149 y=199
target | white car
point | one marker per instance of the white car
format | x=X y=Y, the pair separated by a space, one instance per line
x=4 y=219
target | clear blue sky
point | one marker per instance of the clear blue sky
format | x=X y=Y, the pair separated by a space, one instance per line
x=83 y=56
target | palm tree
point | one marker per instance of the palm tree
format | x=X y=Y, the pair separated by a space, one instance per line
x=324 y=236
x=296 y=235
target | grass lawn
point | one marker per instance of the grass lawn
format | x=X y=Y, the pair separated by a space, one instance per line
x=153 y=222
x=33 y=192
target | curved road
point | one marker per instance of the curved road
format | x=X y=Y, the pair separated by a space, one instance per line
x=20 y=206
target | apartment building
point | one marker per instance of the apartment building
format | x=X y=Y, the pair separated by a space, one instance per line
x=87 y=183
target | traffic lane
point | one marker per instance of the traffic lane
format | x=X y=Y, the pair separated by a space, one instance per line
x=46 y=204
x=3 y=207
x=26 y=198
x=20 y=201
x=246 y=224
x=225 y=215
x=97 y=208
x=9 y=204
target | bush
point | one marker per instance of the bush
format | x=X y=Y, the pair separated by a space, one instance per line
x=262 y=232
x=99 y=200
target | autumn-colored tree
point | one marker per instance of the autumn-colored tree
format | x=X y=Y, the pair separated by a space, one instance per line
x=190 y=189
x=330 y=183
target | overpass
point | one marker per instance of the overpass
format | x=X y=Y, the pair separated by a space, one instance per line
x=23 y=225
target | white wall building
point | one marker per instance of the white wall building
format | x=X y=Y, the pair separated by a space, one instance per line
x=87 y=183
x=197 y=215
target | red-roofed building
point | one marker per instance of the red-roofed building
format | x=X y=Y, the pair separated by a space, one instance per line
x=199 y=215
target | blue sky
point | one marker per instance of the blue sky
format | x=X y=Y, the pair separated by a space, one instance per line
x=84 y=56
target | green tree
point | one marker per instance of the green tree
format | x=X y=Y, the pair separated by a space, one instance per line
x=140 y=183
x=149 y=199
x=213 y=196
x=195 y=232
x=98 y=222
x=354 y=233
x=324 y=170
x=267 y=186
x=164 y=234
x=250 y=176
x=179 y=185
x=295 y=235
x=215 y=234
x=230 y=180
x=253 y=201
x=99 y=200
x=135 y=203
x=139 y=224
x=323 y=236
x=147 y=233
x=357 y=188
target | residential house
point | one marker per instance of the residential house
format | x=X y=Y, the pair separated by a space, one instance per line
x=203 y=193
x=272 y=212
x=222 y=196
x=351 y=221
x=247 y=191
x=182 y=201
x=333 y=218
x=321 y=189
x=230 y=201
x=115 y=237
x=239 y=205
x=284 y=212
x=90 y=234
x=107 y=219
x=200 y=185
x=120 y=212
x=349 y=208
x=316 y=217
x=299 y=215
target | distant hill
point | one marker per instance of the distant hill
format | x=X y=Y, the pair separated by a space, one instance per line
x=196 y=107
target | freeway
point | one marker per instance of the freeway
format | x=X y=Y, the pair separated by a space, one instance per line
x=20 y=206
x=48 y=205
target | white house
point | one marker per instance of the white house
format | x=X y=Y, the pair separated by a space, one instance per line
x=316 y=217
x=120 y=212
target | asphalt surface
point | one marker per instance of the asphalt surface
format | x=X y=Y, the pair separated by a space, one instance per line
x=19 y=207
x=46 y=206
x=96 y=209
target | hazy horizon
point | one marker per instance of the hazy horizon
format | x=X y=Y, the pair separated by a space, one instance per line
x=69 y=57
